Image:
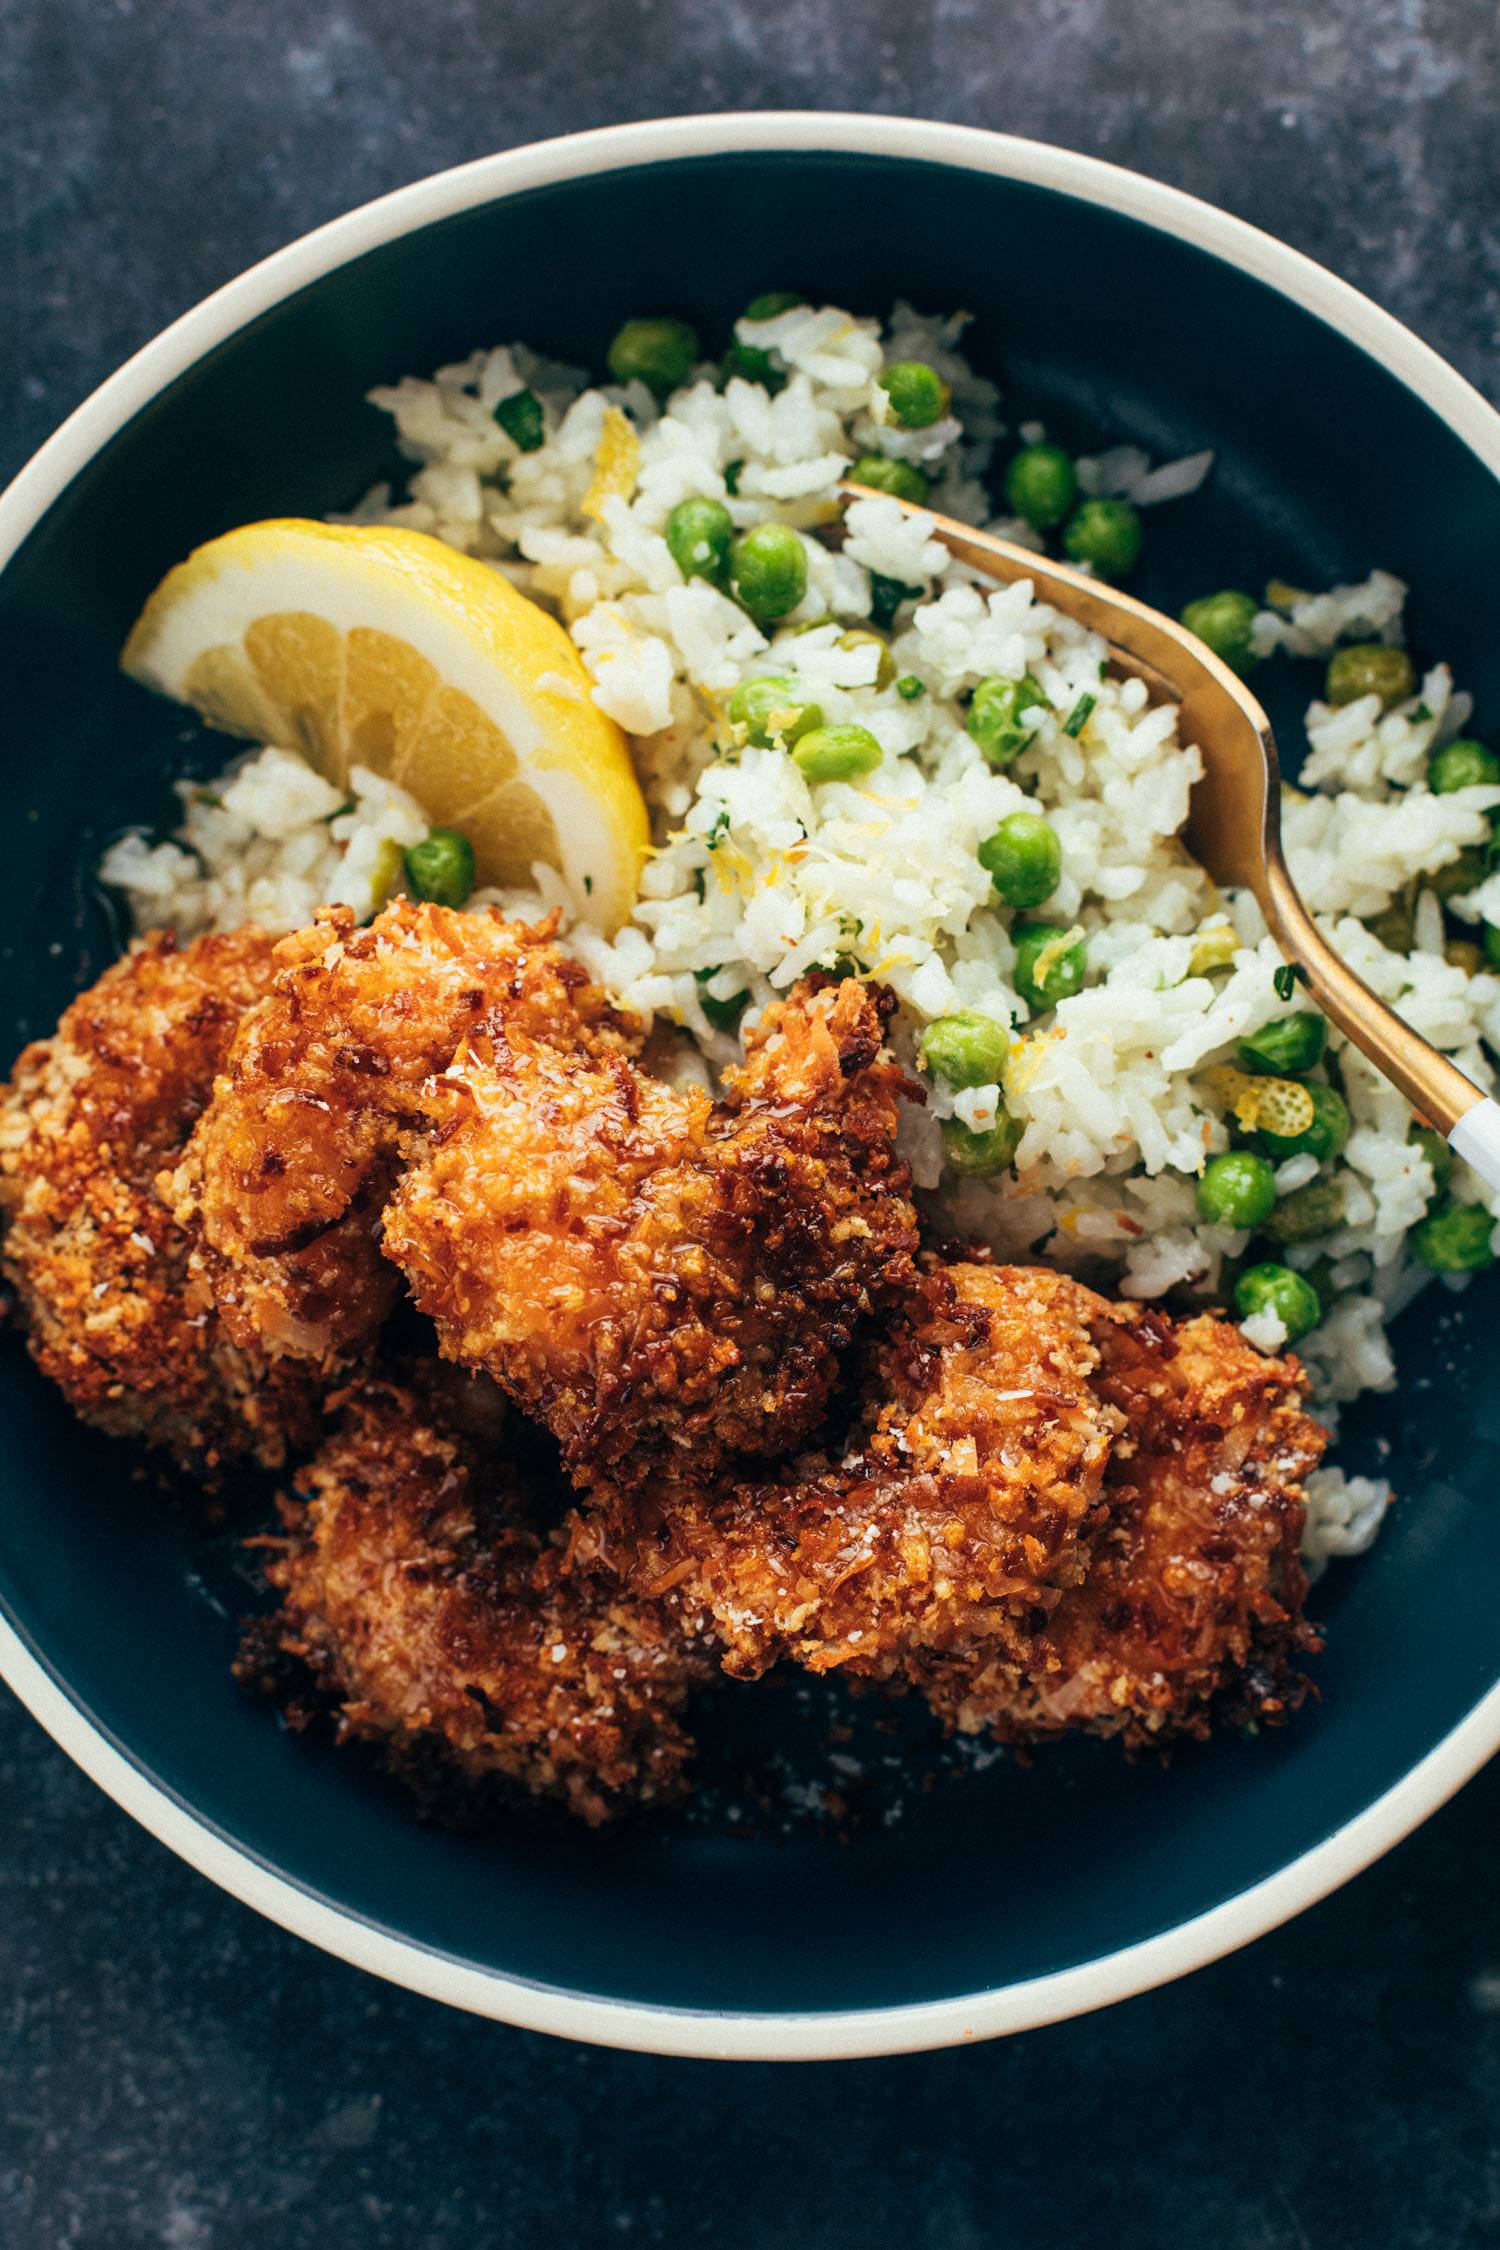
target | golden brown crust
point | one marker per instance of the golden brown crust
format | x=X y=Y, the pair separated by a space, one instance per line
x=98 y=1266
x=1052 y=1513
x=287 y=1173
x=649 y=1272
x=965 y=1500
x=427 y=1608
x=1192 y=1607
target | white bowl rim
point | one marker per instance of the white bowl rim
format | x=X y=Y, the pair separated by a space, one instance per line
x=733 y=2033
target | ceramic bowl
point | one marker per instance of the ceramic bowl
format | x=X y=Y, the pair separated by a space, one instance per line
x=1115 y=309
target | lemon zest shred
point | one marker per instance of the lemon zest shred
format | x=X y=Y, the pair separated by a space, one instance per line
x=1216 y=947
x=617 y=464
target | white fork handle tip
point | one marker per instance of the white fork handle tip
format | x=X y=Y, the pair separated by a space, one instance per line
x=1476 y=1138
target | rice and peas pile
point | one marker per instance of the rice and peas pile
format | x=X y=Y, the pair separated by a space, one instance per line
x=1094 y=1070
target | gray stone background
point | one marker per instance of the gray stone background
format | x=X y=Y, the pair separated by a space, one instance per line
x=174 y=2072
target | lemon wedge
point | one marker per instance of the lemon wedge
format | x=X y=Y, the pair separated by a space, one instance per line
x=370 y=646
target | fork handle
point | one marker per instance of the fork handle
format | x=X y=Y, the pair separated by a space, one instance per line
x=1435 y=1086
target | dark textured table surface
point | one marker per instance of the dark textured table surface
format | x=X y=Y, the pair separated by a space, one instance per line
x=175 y=2072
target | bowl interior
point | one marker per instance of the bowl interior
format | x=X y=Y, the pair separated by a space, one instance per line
x=1326 y=466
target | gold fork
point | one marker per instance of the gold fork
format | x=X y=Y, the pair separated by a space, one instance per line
x=1234 y=820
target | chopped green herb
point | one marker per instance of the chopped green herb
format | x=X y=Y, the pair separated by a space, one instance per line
x=722 y=1014
x=1285 y=981
x=719 y=830
x=886 y=597
x=909 y=687
x=521 y=418
x=1078 y=718
x=732 y=478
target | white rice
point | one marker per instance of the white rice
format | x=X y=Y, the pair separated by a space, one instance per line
x=759 y=876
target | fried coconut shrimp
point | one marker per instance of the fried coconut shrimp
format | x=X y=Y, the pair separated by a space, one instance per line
x=287 y=1174
x=651 y=1273
x=1192 y=1607
x=965 y=1503
x=99 y=1268
x=421 y=1604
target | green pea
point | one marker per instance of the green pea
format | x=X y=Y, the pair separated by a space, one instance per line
x=1237 y=1189
x=699 y=535
x=1023 y=859
x=1454 y=1238
x=1105 y=534
x=1492 y=945
x=918 y=395
x=752 y=361
x=773 y=710
x=1369 y=668
x=1223 y=621
x=659 y=353
x=1041 y=485
x=441 y=867
x=1276 y=1289
x=1307 y=1214
x=1461 y=765
x=902 y=479
x=1438 y=1154
x=837 y=753
x=1287 y=1047
x=768 y=571
x=885 y=663
x=1326 y=1137
x=522 y=419
x=997 y=714
x=1460 y=875
x=1046 y=971
x=966 y=1049
x=724 y=1015
x=886 y=597
x=910 y=688
x=978 y=1155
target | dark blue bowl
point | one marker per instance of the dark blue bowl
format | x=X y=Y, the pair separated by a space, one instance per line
x=1116 y=309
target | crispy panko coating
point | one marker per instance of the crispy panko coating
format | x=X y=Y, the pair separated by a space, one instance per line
x=98 y=1267
x=963 y=1505
x=1192 y=1607
x=288 y=1171
x=423 y=1604
x=651 y=1273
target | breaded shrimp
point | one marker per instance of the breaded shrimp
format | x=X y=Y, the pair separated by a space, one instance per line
x=1192 y=1607
x=961 y=1508
x=98 y=1266
x=421 y=1602
x=287 y=1173
x=653 y=1274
